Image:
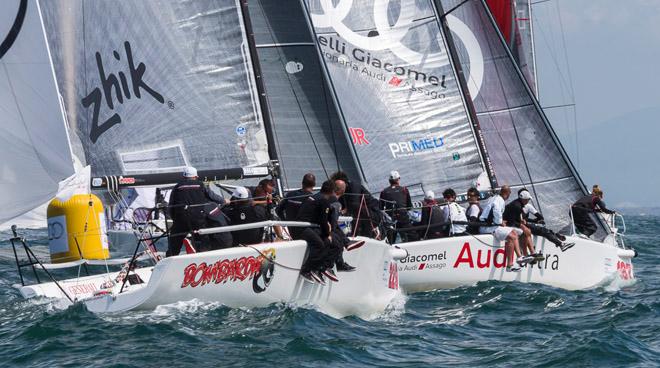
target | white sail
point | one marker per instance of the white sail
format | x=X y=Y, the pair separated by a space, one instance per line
x=33 y=138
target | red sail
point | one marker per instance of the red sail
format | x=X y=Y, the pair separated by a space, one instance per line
x=502 y=11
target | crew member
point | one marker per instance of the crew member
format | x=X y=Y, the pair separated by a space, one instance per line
x=242 y=211
x=288 y=208
x=535 y=227
x=318 y=210
x=341 y=240
x=395 y=200
x=453 y=212
x=432 y=218
x=474 y=210
x=187 y=208
x=514 y=217
x=360 y=205
x=584 y=207
x=492 y=214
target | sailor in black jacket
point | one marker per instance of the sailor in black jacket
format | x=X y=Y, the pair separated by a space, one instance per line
x=188 y=208
x=317 y=210
x=288 y=207
x=241 y=210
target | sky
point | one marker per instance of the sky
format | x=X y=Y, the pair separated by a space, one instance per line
x=611 y=60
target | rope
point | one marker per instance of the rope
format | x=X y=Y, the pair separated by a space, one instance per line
x=270 y=259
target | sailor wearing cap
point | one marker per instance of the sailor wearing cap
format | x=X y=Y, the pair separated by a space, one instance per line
x=395 y=200
x=188 y=208
x=241 y=210
x=514 y=215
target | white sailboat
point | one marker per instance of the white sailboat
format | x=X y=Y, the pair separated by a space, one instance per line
x=441 y=97
x=145 y=100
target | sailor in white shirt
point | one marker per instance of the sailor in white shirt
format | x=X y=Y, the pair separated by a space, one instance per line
x=453 y=212
x=492 y=214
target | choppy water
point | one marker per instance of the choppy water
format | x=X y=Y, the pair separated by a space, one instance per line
x=501 y=324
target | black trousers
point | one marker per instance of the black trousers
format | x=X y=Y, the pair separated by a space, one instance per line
x=317 y=250
x=544 y=232
x=178 y=231
x=583 y=221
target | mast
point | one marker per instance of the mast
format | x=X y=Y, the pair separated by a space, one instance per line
x=465 y=92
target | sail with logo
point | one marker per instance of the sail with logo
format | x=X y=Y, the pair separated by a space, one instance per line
x=307 y=133
x=154 y=86
x=398 y=93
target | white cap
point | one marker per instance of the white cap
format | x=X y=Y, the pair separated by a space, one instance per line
x=189 y=172
x=429 y=195
x=524 y=195
x=394 y=175
x=240 y=193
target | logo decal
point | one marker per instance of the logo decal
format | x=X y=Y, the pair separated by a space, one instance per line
x=417 y=146
x=260 y=269
x=358 y=136
x=110 y=83
x=391 y=37
x=15 y=28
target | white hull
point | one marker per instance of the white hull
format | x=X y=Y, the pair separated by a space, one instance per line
x=458 y=261
x=364 y=293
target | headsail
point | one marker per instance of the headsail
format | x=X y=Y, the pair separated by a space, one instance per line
x=33 y=139
x=398 y=92
x=153 y=86
x=307 y=132
x=514 y=19
x=522 y=147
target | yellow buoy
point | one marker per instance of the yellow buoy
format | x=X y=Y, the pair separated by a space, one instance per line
x=77 y=229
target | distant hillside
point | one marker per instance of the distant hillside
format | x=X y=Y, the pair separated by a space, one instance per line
x=623 y=156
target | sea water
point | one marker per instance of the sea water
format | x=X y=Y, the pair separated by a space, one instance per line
x=489 y=324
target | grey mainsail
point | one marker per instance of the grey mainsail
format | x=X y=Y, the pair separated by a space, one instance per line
x=398 y=93
x=306 y=129
x=152 y=86
x=522 y=147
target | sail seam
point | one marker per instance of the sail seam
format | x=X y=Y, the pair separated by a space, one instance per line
x=277 y=44
x=507 y=109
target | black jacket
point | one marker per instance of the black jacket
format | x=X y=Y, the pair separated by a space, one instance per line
x=288 y=208
x=396 y=201
x=245 y=213
x=317 y=210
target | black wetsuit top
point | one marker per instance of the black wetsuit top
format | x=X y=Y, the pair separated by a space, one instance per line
x=396 y=201
x=317 y=210
x=592 y=202
x=288 y=208
x=513 y=213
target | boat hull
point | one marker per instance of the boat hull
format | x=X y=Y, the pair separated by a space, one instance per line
x=240 y=277
x=459 y=261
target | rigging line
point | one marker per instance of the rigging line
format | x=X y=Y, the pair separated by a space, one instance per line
x=539 y=2
x=570 y=84
x=295 y=95
x=513 y=122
